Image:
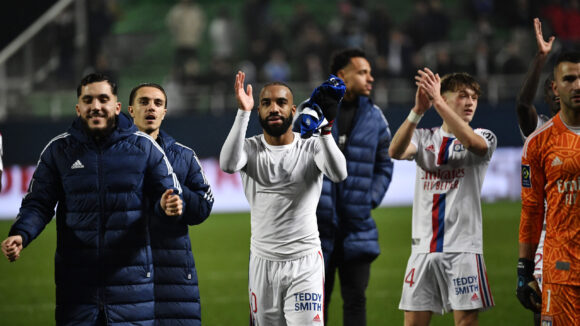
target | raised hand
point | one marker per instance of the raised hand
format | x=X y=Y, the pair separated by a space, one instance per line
x=328 y=95
x=429 y=82
x=244 y=98
x=543 y=46
x=422 y=101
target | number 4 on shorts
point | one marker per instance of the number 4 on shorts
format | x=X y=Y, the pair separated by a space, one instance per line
x=409 y=277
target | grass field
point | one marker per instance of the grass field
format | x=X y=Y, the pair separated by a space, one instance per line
x=221 y=246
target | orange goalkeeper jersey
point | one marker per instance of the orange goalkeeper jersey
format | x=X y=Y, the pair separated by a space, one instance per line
x=551 y=170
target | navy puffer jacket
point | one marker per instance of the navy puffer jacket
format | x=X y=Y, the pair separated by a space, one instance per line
x=344 y=209
x=176 y=289
x=103 y=260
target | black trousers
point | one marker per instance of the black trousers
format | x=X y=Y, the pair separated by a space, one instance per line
x=354 y=279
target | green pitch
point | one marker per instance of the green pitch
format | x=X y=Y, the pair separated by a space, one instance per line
x=221 y=246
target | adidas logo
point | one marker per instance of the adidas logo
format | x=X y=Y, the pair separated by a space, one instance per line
x=557 y=161
x=77 y=165
x=430 y=148
x=317 y=319
x=474 y=297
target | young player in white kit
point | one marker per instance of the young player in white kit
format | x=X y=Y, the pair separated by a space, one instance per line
x=282 y=178
x=446 y=270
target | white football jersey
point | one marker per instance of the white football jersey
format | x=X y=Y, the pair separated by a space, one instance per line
x=447 y=201
x=282 y=185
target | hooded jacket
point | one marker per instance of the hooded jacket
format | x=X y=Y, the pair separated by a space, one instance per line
x=103 y=260
x=177 y=299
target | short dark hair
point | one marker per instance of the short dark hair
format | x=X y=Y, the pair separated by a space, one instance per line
x=342 y=58
x=154 y=85
x=276 y=83
x=568 y=56
x=95 y=78
x=457 y=81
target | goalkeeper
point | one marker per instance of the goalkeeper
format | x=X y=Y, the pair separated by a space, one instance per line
x=550 y=160
x=530 y=271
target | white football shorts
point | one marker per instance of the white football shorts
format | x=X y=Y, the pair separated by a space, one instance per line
x=441 y=282
x=287 y=292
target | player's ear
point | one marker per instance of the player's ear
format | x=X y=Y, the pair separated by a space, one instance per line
x=555 y=89
x=131 y=111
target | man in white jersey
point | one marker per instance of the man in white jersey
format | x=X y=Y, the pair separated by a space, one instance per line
x=528 y=121
x=446 y=270
x=282 y=177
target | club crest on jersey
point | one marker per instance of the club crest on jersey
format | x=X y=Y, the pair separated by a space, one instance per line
x=546 y=321
x=526 y=176
x=457 y=146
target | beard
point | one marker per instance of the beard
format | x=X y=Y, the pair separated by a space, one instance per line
x=99 y=133
x=568 y=102
x=276 y=130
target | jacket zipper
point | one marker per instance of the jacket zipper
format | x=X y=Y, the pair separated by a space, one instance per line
x=101 y=232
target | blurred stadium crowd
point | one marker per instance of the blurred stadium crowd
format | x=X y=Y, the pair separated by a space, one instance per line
x=194 y=47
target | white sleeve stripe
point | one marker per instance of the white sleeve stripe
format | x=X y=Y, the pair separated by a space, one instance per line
x=196 y=159
x=205 y=181
x=180 y=144
x=208 y=197
x=534 y=134
x=63 y=135
x=176 y=183
x=201 y=169
x=382 y=114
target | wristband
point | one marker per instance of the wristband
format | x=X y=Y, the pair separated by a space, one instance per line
x=525 y=266
x=326 y=130
x=414 y=117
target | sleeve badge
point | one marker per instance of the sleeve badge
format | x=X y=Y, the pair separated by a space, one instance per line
x=526 y=176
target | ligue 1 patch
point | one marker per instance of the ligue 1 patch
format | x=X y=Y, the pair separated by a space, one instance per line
x=546 y=320
x=526 y=176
